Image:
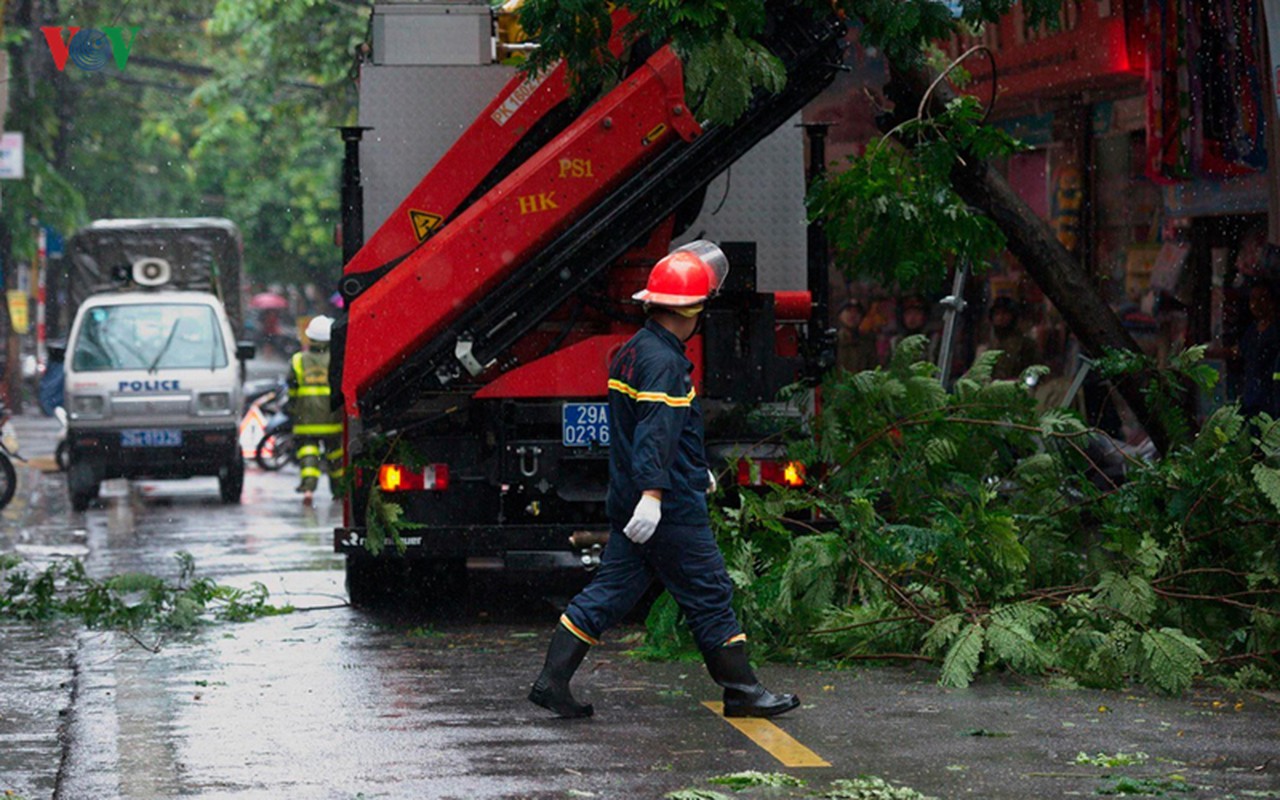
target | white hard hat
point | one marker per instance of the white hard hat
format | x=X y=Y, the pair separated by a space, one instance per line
x=318 y=329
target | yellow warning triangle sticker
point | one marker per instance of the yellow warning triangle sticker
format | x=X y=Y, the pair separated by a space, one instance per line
x=424 y=224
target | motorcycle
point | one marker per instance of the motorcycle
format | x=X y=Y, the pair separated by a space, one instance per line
x=275 y=449
x=8 y=452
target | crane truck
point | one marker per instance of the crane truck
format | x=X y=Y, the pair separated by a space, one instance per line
x=481 y=316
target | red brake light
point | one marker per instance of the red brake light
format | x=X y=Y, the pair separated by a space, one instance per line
x=399 y=478
x=770 y=471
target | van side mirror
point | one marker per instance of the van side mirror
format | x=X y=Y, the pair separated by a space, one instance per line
x=57 y=350
x=245 y=351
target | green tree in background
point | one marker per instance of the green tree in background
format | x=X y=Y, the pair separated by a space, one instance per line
x=225 y=108
x=905 y=194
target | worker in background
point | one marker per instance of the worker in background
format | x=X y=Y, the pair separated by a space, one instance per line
x=913 y=320
x=1017 y=349
x=657 y=502
x=317 y=428
x=855 y=351
x=1259 y=351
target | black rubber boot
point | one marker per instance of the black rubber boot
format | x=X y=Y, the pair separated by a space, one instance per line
x=551 y=690
x=744 y=696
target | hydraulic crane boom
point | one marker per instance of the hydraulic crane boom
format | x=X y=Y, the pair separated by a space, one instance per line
x=458 y=301
x=523 y=117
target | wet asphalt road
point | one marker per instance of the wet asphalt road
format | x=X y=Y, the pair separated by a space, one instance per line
x=331 y=702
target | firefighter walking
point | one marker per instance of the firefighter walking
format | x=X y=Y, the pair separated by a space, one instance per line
x=657 y=507
x=317 y=428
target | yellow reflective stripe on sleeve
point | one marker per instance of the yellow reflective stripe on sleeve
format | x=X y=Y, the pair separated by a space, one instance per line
x=324 y=429
x=652 y=397
x=310 y=391
x=311 y=472
x=334 y=455
x=576 y=631
x=308 y=450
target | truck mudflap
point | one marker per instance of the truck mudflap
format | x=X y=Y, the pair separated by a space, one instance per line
x=515 y=548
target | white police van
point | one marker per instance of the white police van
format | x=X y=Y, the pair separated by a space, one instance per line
x=153 y=385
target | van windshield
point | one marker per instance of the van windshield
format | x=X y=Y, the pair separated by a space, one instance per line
x=160 y=336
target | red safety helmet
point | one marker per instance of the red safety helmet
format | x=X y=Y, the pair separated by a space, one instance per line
x=686 y=277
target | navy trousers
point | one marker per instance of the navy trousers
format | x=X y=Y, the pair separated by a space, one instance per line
x=685 y=559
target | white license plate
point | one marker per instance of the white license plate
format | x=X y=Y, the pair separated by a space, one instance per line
x=585 y=424
x=162 y=437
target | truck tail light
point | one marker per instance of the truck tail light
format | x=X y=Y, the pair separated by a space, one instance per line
x=770 y=471
x=400 y=478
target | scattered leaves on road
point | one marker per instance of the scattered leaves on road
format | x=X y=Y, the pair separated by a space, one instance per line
x=695 y=794
x=1117 y=760
x=745 y=780
x=869 y=787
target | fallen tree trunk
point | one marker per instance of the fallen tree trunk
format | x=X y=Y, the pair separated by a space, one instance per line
x=1058 y=274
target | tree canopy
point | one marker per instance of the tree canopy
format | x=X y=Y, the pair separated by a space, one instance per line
x=224 y=108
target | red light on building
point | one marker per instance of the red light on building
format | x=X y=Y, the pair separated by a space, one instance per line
x=1093 y=46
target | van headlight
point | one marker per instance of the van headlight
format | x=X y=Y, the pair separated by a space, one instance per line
x=213 y=403
x=88 y=405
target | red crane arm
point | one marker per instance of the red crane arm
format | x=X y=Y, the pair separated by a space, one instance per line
x=633 y=123
x=522 y=103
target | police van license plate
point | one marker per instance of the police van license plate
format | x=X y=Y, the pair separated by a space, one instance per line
x=585 y=424
x=147 y=437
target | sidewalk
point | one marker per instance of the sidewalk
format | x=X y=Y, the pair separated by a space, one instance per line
x=38 y=679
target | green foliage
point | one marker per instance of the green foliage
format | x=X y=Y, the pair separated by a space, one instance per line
x=963 y=527
x=384 y=519
x=722 y=34
x=869 y=787
x=725 y=64
x=1117 y=759
x=695 y=794
x=129 y=601
x=961 y=663
x=738 y=781
x=1173 y=659
x=892 y=214
x=385 y=522
x=724 y=72
x=1267 y=480
x=215 y=97
x=1147 y=787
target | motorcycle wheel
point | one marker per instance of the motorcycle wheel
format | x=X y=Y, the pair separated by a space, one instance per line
x=8 y=480
x=274 y=451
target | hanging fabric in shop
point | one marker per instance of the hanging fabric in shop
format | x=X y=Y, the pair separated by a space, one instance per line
x=1205 y=89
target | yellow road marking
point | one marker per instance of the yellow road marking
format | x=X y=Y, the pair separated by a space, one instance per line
x=775 y=741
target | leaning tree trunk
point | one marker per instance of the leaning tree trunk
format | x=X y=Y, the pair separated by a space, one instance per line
x=1059 y=275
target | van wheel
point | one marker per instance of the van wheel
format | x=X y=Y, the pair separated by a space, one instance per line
x=82 y=484
x=231 y=480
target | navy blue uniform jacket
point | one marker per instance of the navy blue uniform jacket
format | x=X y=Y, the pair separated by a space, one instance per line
x=655 y=429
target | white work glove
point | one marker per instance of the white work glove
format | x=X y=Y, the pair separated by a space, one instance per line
x=644 y=520
x=712 y=485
